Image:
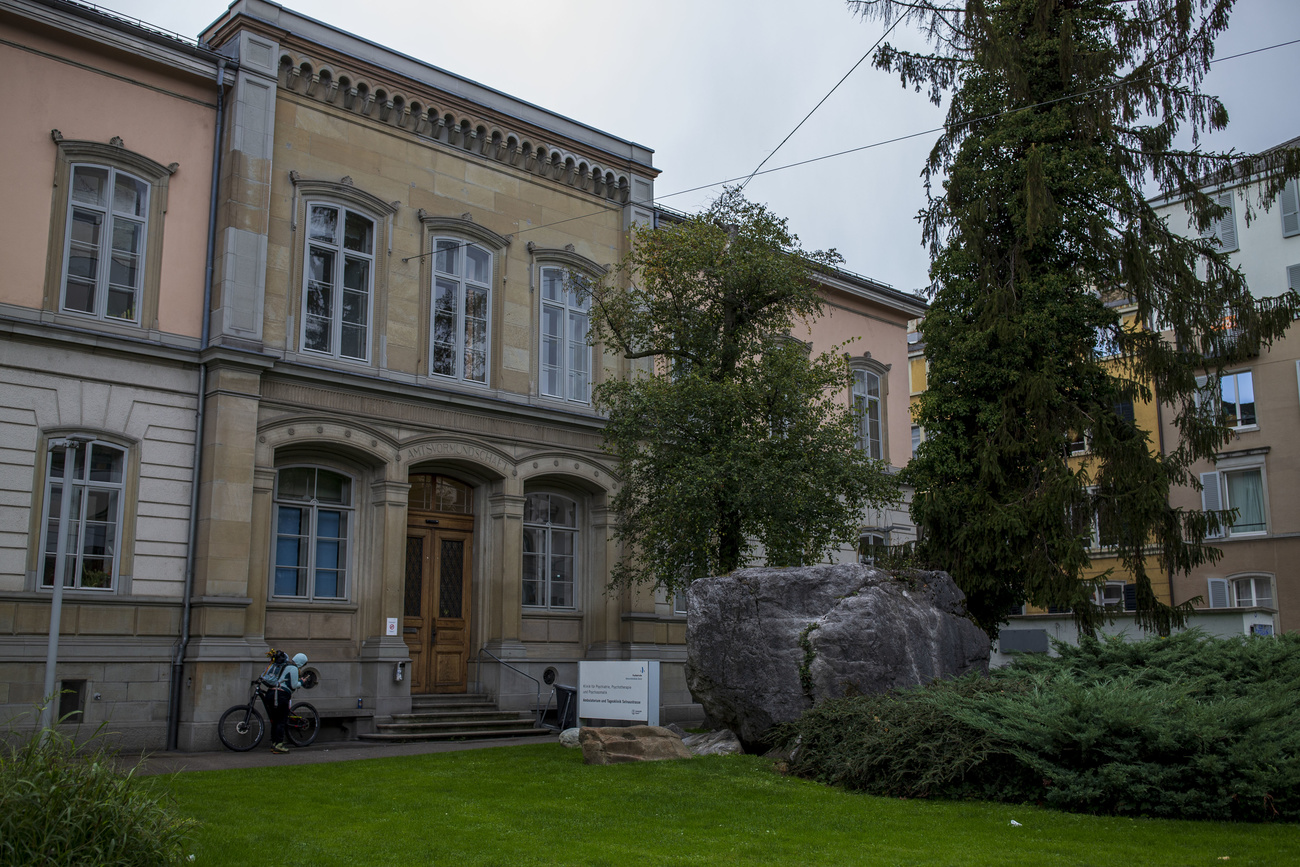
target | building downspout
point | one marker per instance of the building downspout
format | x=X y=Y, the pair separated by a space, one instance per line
x=178 y=661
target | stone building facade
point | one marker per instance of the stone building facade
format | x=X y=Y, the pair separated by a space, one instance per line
x=345 y=408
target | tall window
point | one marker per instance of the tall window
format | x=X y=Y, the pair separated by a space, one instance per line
x=94 y=526
x=108 y=219
x=1237 y=399
x=866 y=403
x=550 y=542
x=1242 y=490
x=313 y=523
x=566 y=356
x=462 y=292
x=339 y=278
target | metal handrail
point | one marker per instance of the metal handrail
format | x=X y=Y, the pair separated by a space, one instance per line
x=541 y=711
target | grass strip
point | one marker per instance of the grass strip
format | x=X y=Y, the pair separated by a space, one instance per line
x=539 y=804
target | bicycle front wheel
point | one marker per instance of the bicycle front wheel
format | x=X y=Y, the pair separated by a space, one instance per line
x=241 y=728
x=303 y=724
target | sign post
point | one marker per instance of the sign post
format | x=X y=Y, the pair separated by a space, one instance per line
x=619 y=690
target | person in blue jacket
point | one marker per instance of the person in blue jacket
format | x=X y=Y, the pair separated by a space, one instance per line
x=276 y=700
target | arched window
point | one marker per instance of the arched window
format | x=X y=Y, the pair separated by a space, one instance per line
x=462 y=305
x=566 y=355
x=868 y=406
x=871 y=546
x=94 y=531
x=313 y=530
x=550 y=546
x=338 y=282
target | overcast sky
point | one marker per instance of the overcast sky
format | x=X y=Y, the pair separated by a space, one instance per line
x=714 y=85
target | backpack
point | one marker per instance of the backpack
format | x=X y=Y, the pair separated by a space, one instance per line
x=271 y=677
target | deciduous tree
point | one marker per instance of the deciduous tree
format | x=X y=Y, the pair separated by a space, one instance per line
x=732 y=438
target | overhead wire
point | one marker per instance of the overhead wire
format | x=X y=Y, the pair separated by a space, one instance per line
x=945 y=128
x=797 y=126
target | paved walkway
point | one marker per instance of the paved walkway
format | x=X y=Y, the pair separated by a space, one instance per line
x=329 y=751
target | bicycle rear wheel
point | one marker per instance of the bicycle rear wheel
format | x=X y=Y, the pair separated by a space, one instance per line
x=241 y=728
x=303 y=724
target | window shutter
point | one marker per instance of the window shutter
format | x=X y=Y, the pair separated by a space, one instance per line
x=1293 y=277
x=1291 y=209
x=1227 y=226
x=1219 y=593
x=1130 y=597
x=1212 y=497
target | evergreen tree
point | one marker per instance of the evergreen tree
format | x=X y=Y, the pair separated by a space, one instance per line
x=730 y=432
x=1061 y=112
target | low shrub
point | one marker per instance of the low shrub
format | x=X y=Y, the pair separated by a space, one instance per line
x=1188 y=727
x=65 y=804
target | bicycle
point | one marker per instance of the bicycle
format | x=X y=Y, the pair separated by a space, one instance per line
x=241 y=728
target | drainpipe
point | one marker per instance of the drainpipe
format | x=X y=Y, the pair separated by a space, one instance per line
x=178 y=661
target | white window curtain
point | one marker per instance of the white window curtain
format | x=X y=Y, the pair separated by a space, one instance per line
x=1246 y=495
x=566 y=355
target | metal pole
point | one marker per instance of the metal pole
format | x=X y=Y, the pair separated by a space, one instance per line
x=70 y=446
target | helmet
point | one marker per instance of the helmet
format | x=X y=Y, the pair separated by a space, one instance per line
x=300 y=659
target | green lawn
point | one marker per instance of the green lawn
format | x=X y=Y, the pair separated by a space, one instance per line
x=540 y=804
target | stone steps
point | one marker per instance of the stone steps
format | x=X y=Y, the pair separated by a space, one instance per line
x=454 y=717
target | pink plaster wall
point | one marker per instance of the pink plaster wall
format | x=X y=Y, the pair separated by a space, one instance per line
x=859 y=326
x=91 y=101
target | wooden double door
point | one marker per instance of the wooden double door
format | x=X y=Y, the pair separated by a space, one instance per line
x=436 y=604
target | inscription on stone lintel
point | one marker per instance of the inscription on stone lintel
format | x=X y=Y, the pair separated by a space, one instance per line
x=431 y=450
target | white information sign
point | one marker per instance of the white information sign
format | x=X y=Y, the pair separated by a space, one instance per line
x=392 y=626
x=619 y=690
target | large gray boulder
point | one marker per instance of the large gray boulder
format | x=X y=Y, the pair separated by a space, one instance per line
x=765 y=645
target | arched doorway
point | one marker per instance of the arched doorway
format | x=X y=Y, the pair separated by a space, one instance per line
x=436 y=600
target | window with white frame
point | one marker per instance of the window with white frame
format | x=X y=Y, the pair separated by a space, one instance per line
x=1237 y=399
x=550 y=550
x=462 y=295
x=104 y=257
x=681 y=601
x=917 y=436
x=565 y=353
x=871 y=547
x=93 y=530
x=1253 y=591
x=1110 y=595
x=1242 y=490
x=313 y=531
x=869 y=410
x=338 y=282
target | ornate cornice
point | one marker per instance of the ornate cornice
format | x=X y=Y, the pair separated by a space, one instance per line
x=429 y=115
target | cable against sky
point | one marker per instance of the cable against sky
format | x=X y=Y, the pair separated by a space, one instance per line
x=758 y=171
